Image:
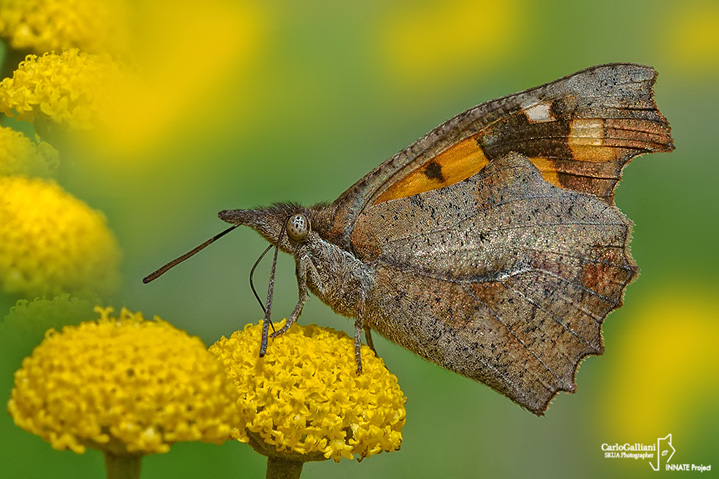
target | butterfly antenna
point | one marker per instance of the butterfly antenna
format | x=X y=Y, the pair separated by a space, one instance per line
x=194 y=251
x=270 y=292
x=252 y=272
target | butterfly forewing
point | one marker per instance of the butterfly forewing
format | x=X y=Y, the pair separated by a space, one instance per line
x=580 y=131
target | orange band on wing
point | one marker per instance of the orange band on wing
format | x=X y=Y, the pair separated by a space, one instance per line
x=548 y=170
x=451 y=166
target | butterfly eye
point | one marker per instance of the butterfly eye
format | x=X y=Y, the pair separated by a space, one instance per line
x=298 y=227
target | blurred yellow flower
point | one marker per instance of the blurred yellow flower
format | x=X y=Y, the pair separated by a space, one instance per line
x=667 y=368
x=51 y=242
x=184 y=67
x=66 y=89
x=692 y=43
x=46 y=25
x=431 y=43
x=306 y=398
x=123 y=385
x=19 y=155
x=202 y=64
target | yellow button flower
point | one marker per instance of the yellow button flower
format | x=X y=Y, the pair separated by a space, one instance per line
x=19 y=155
x=51 y=242
x=125 y=386
x=45 y=25
x=66 y=89
x=304 y=398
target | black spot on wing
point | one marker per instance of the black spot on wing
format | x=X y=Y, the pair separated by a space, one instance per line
x=433 y=171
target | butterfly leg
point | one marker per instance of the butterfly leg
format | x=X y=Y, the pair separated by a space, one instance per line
x=358 y=342
x=304 y=266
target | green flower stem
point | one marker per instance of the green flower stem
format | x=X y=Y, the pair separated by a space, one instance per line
x=281 y=468
x=123 y=467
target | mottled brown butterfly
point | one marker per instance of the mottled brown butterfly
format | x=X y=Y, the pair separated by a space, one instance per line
x=492 y=245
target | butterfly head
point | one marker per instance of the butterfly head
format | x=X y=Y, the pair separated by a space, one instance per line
x=286 y=221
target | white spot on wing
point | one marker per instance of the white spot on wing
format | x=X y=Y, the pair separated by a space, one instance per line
x=539 y=112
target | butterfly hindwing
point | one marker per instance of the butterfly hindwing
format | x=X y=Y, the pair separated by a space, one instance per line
x=501 y=277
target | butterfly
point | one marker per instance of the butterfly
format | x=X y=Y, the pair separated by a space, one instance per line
x=492 y=245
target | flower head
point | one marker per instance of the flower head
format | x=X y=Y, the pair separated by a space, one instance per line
x=45 y=25
x=21 y=156
x=304 y=397
x=66 y=89
x=123 y=385
x=51 y=242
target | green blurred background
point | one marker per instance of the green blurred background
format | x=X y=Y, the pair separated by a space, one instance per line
x=279 y=100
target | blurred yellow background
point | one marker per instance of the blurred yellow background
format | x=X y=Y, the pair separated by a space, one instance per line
x=260 y=102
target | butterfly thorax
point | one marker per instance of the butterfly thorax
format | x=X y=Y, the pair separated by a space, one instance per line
x=336 y=276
